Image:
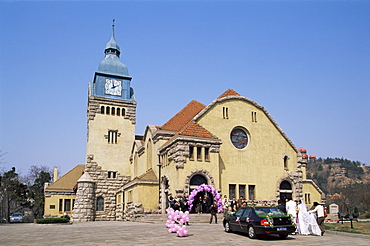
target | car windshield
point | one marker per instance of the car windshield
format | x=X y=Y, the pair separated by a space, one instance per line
x=16 y=215
x=271 y=211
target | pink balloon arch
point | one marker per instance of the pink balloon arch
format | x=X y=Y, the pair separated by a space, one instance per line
x=209 y=189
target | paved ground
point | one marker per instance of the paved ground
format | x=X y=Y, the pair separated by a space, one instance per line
x=134 y=233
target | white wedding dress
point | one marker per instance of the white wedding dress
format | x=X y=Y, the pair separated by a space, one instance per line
x=307 y=221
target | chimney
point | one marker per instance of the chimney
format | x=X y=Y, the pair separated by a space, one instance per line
x=55 y=178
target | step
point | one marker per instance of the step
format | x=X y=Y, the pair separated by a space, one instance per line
x=162 y=218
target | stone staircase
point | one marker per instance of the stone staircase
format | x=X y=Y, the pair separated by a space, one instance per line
x=162 y=218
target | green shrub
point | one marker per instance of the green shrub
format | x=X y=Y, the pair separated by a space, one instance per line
x=367 y=215
x=52 y=220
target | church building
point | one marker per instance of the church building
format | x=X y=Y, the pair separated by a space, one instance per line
x=232 y=144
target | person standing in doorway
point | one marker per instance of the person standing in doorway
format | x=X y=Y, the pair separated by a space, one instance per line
x=200 y=205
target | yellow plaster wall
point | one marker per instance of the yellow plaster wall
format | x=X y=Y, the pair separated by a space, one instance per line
x=315 y=196
x=146 y=194
x=111 y=156
x=261 y=163
x=54 y=200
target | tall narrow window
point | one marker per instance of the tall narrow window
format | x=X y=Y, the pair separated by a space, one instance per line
x=112 y=136
x=199 y=153
x=112 y=175
x=206 y=154
x=123 y=112
x=118 y=111
x=191 y=153
x=242 y=191
x=113 y=110
x=67 y=204
x=286 y=162
x=251 y=192
x=60 y=205
x=254 y=116
x=149 y=157
x=100 y=204
x=232 y=191
x=108 y=110
x=102 y=109
x=225 y=112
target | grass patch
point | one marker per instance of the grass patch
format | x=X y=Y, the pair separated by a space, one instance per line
x=361 y=227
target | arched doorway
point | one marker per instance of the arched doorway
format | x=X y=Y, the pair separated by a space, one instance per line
x=286 y=191
x=203 y=198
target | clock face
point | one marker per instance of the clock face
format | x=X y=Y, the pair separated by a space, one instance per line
x=113 y=87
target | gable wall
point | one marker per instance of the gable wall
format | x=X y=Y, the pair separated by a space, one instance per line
x=261 y=162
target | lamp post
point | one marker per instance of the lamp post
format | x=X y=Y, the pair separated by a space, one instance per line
x=159 y=180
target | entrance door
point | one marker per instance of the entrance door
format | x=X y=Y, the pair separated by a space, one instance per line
x=285 y=191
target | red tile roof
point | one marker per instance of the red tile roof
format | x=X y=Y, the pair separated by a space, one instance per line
x=177 y=122
x=228 y=92
x=195 y=130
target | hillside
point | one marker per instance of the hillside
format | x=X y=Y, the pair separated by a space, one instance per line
x=334 y=174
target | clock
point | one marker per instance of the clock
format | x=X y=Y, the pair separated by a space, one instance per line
x=113 y=87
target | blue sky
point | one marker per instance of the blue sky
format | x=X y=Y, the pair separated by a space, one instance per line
x=306 y=62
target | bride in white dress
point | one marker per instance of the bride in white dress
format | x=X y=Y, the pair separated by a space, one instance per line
x=307 y=221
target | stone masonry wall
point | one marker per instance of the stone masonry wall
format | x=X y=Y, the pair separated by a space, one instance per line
x=106 y=188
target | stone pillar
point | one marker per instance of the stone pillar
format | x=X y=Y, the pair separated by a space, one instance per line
x=84 y=208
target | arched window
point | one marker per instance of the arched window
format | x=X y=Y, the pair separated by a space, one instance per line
x=102 y=109
x=123 y=112
x=197 y=180
x=285 y=185
x=118 y=111
x=113 y=110
x=100 y=204
x=108 y=110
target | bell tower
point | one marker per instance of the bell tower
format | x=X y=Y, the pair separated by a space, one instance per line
x=111 y=113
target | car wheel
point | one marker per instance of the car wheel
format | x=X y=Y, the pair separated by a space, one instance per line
x=227 y=226
x=283 y=236
x=252 y=232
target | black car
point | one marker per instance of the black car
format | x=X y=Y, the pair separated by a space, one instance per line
x=260 y=221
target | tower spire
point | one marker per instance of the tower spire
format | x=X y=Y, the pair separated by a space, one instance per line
x=113 y=28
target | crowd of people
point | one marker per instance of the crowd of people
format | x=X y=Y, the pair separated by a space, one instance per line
x=307 y=222
x=230 y=206
x=202 y=204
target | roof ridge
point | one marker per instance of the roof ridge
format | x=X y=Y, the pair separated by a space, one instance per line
x=228 y=92
x=181 y=118
x=194 y=129
x=62 y=179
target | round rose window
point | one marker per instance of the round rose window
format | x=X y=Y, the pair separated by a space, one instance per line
x=239 y=138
